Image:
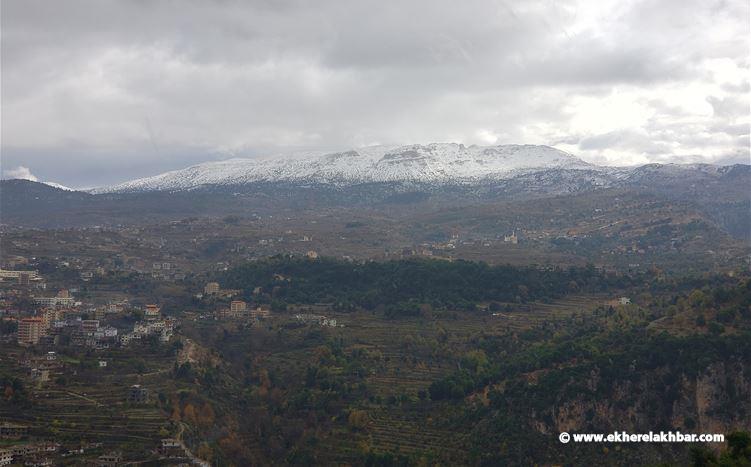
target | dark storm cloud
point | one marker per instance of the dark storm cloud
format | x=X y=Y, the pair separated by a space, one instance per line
x=99 y=91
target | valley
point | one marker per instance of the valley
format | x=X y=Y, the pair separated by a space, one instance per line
x=380 y=323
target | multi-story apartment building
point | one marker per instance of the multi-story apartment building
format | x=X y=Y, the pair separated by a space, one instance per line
x=238 y=306
x=30 y=330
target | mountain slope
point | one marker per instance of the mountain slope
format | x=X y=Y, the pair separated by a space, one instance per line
x=432 y=163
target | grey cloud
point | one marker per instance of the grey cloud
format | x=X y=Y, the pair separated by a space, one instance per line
x=740 y=129
x=162 y=84
x=640 y=142
x=728 y=107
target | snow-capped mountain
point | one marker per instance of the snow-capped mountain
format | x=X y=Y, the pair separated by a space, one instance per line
x=59 y=186
x=412 y=178
x=438 y=163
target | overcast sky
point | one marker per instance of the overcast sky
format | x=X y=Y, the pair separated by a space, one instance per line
x=95 y=92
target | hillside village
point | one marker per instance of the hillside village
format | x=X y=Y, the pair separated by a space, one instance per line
x=54 y=336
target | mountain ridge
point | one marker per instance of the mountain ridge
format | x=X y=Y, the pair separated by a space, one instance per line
x=402 y=178
x=435 y=164
x=432 y=163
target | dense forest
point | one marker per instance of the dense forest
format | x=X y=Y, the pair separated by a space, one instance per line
x=402 y=285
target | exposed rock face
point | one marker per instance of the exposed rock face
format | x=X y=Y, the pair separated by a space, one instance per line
x=717 y=400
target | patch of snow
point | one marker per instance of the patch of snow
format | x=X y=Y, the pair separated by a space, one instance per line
x=431 y=163
x=57 y=185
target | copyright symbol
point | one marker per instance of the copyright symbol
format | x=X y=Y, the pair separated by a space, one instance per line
x=564 y=437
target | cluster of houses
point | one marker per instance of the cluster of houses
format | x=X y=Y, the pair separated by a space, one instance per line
x=214 y=290
x=171 y=448
x=29 y=454
x=238 y=310
x=25 y=278
x=47 y=453
x=153 y=324
x=61 y=319
x=441 y=249
x=64 y=321
x=79 y=332
x=41 y=368
x=166 y=271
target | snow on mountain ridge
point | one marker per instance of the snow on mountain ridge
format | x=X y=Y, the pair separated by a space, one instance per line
x=431 y=163
x=59 y=186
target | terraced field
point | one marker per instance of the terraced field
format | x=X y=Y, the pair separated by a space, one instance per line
x=410 y=358
x=407 y=355
x=92 y=409
x=401 y=358
x=413 y=431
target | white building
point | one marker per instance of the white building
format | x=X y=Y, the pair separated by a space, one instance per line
x=6 y=274
x=6 y=456
x=63 y=302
